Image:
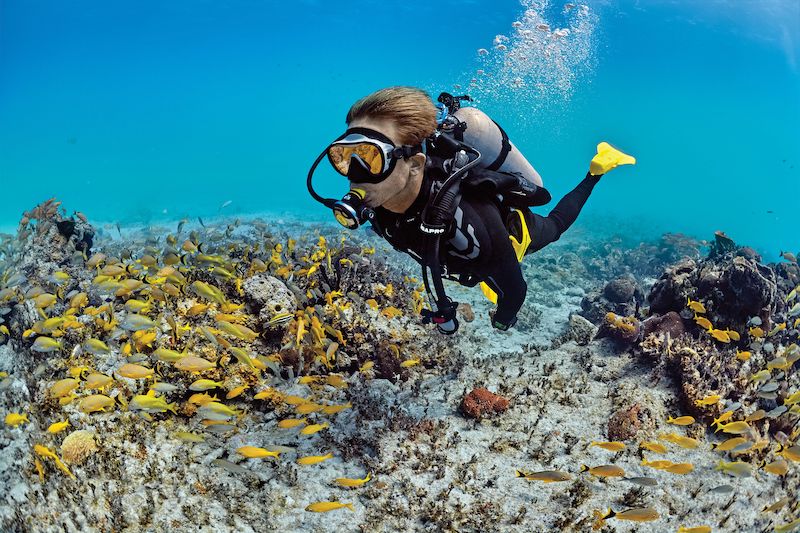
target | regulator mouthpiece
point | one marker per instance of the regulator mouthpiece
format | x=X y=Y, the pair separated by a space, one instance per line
x=350 y=211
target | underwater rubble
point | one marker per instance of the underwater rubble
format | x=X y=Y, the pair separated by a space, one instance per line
x=272 y=375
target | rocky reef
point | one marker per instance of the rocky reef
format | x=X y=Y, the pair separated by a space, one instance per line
x=244 y=375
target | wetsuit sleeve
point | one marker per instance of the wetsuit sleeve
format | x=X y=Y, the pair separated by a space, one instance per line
x=500 y=268
x=545 y=230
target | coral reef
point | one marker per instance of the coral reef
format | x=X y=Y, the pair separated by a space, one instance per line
x=481 y=402
x=624 y=424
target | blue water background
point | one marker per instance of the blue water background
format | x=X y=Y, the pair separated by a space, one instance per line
x=146 y=111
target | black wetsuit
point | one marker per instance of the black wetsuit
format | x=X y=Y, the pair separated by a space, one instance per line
x=477 y=247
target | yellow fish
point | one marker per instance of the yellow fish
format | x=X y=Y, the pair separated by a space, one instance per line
x=134 y=371
x=204 y=385
x=680 y=468
x=251 y=452
x=703 y=322
x=349 y=482
x=655 y=447
x=333 y=409
x=736 y=428
x=792 y=452
x=604 y=470
x=314 y=459
x=711 y=399
x=681 y=420
x=695 y=529
x=720 y=335
x=95 y=402
x=614 y=446
x=308 y=408
x=409 y=362
x=191 y=363
x=313 y=428
x=729 y=444
x=756 y=332
x=778 y=467
x=680 y=440
x=324 y=507
x=545 y=476
x=640 y=514
x=736 y=468
x=63 y=387
x=742 y=356
x=734 y=335
x=288 y=423
x=56 y=427
x=695 y=306
x=15 y=419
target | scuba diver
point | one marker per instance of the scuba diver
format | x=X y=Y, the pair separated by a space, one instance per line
x=444 y=184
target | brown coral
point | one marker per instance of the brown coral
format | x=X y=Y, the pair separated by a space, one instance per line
x=621 y=328
x=482 y=402
x=78 y=446
x=625 y=423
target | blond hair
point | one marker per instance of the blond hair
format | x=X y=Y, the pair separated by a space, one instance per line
x=411 y=110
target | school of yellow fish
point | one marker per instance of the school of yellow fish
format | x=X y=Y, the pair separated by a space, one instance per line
x=749 y=448
x=175 y=319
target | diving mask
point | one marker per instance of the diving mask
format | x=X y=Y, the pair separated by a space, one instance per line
x=366 y=156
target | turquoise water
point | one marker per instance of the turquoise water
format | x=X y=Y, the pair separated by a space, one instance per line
x=142 y=111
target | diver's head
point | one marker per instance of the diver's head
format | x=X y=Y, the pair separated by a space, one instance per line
x=405 y=116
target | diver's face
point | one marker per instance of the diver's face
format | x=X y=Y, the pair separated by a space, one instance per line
x=393 y=192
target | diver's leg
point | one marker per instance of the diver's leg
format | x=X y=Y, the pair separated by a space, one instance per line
x=544 y=230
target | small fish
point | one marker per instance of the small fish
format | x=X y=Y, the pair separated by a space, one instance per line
x=681 y=420
x=604 y=470
x=230 y=467
x=168 y=356
x=15 y=419
x=761 y=375
x=614 y=446
x=756 y=332
x=187 y=436
x=776 y=329
x=63 y=387
x=779 y=467
x=735 y=468
x=790 y=526
x=289 y=423
x=333 y=409
x=349 y=482
x=135 y=322
x=653 y=446
x=789 y=256
x=46 y=345
x=57 y=427
x=736 y=428
x=681 y=440
x=658 y=465
x=680 y=468
x=720 y=335
x=324 y=507
x=742 y=356
x=95 y=402
x=279 y=318
x=695 y=306
x=313 y=428
x=163 y=387
x=722 y=489
x=694 y=529
x=792 y=452
x=711 y=399
x=191 y=363
x=643 y=481
x=756 y=416
x=96 y=380
x=545 y=476
x=794 y=311
x=134 y=371
x=640 y=514
x=151 y=404
x=252 y=452
x=314 y=459
x=703 y=322
x=204 y=385
x=777 y=506
x=729 y=444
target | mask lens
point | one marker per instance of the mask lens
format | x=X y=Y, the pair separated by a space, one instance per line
x=340 y=156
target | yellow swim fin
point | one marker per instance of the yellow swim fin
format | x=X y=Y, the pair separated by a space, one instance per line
x=520 y=246
x=608 y=158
